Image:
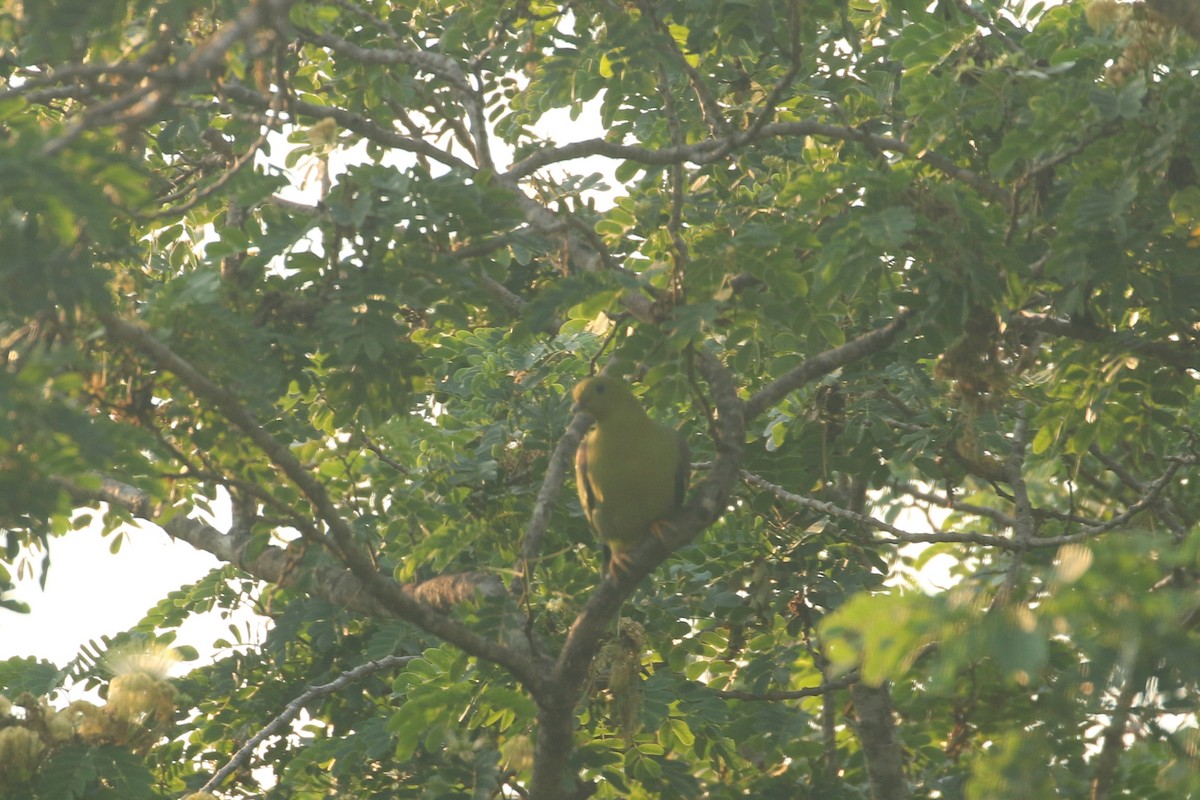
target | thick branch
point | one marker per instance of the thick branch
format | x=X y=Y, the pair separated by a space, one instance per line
x=1184 y=355
x=277 y=565
x=1113 y=742
x=824 y=363
x=881 y=750
x=697 y=152
x=390 y=593
x=278 y=453
x=708 y=499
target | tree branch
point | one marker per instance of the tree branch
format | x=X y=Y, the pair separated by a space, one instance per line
x=1001 y=520
x=443 y=67
x=824 y=363
x=390 y=593
x=865 y=520
x=881 y=750
x=985 y=23
x=279 y=454
x=1026 y=527
x=435 y=64
x=1113 y=742
x=847 y=680
x=1184 y=355
x=556 y=708
x=709 y=107
x=277 y=565
x=242 y=757
x=1148 y=500
x=713 y=149
x=1162 y=506
x=547 y=496
x=159 y=87
x=358 y=123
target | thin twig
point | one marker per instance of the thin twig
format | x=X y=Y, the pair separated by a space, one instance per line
x=233 y=169
x=823 y=363
x=358 y=123
x=983 y=22
x=843 y=682
x=1162 y=508
x=547 y=496
x=709 y=107
x=293 y=709
x=1025 y=527
x=679 y=248
x=160 y=87
x=714 y=149
x=1002 y=520
x=898 y=535
x=767 y=112
x=441 y=66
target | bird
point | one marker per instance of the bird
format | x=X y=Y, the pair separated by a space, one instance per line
x=631 y=471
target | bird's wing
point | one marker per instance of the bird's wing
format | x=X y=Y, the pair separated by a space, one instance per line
x=587 y=497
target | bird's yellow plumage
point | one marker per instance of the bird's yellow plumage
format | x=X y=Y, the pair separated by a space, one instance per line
x=631 y=471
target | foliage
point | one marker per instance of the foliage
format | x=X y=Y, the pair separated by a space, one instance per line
x=917 y=280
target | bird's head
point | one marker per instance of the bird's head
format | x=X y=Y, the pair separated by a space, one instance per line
x=602 y=396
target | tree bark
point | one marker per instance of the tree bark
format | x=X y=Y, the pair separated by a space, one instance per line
x=877 y=734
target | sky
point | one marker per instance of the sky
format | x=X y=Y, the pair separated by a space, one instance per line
x=91 y=592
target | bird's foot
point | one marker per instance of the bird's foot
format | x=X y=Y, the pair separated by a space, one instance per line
x=661 y=529
x=618 y=563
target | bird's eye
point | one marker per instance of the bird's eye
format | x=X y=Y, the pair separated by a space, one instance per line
x=600 y=389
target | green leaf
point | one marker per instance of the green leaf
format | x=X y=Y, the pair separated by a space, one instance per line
x=37 y=677
x=69 y=772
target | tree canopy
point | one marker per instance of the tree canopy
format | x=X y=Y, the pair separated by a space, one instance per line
x=918 y=281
